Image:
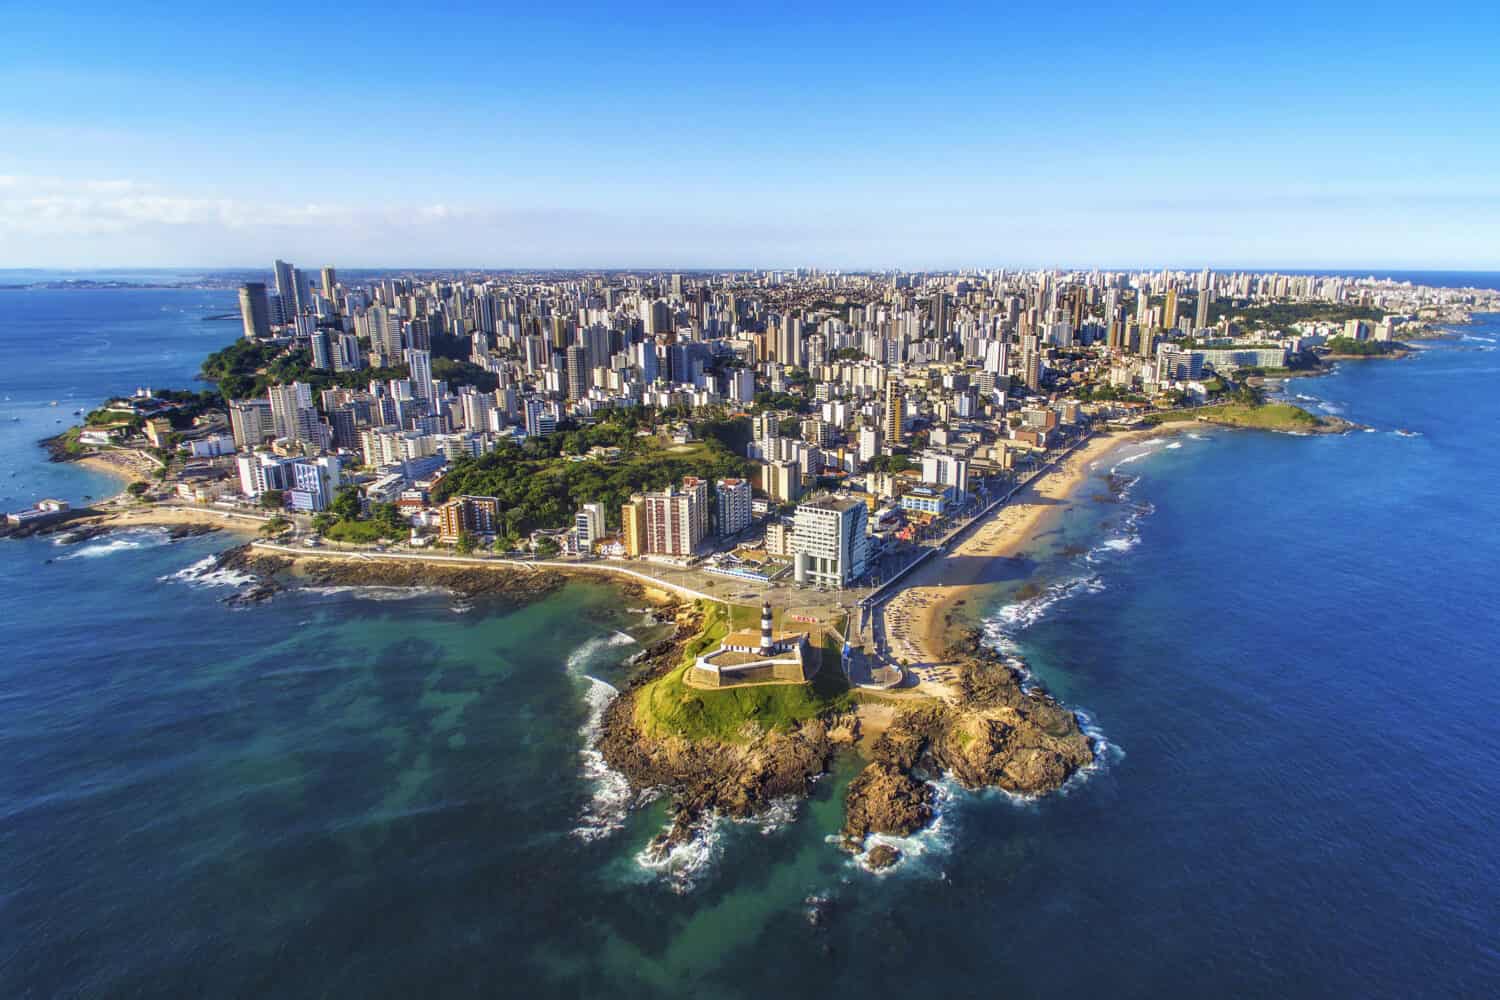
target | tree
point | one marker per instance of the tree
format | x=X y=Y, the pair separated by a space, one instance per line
x=322 y=521
x=275 y=526
x=137 y=488
x=545 y=548
x=273 y=500
x=346 y=504
x=465 y=543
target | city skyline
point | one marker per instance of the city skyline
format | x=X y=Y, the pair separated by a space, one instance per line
x=856 y=138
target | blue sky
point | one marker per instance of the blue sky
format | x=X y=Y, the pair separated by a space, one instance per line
x=916 y=135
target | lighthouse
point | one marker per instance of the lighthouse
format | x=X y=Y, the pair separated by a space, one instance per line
x=767 y=644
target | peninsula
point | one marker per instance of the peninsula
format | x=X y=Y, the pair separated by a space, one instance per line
x=809 y=474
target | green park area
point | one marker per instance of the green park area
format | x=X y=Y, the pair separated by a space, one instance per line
x=669 y=707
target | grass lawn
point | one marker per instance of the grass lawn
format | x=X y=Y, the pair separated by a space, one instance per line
x=358 y=532
x=1269 y=416
x=668 y=707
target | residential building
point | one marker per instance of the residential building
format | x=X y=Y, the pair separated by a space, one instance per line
x=733 y=496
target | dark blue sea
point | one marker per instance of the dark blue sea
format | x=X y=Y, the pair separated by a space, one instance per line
x=1288 y=645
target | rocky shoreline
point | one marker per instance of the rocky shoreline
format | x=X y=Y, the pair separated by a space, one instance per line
x=274 y=572
x=83 y=523
x=995 y=733
x=705 y=778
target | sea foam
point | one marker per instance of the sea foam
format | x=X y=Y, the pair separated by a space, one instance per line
x=609 y=792
x=125 y=540
x=206 y=573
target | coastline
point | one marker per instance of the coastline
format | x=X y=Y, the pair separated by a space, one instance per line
x=923 y=611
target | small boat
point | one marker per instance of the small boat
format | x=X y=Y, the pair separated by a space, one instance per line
x=1406 y=433
x=53 y=403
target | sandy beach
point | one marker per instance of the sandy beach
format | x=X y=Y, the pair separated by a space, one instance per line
x=125 y=465
x=917 y=628
x=125 y=511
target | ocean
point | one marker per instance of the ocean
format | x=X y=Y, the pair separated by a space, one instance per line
x=1286 y=644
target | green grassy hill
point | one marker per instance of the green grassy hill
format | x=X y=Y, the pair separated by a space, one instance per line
x=1267 y=416
x=668 y=707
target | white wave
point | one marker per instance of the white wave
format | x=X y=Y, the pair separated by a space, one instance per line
x=682 y=865
x=1475 y=336
x=1174 y=445
x=377 y=593
x=585 y=654
x=1145 y=452
x=779 y=815
x=1120 y=544
x=127 y=540
x=1021 y=615
x=206 y=573
x=1197 y=437
x=609 y=795
x=920 y=850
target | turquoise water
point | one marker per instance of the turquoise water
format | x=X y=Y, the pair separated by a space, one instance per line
x=1287 y=643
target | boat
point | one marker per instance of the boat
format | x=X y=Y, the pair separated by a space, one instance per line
x=1406 y=433
x=53 y=403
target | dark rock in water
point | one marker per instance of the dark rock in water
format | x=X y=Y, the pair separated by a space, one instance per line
x=252 y=595
x=819 y=910
x=884 y=798
x=177 y=532
x=882 y=856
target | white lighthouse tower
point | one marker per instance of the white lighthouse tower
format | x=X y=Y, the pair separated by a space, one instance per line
x=767 y=643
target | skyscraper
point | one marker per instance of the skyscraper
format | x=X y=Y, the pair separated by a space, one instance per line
x=330 y=280
x=733 y=496
x=895 y=412
x=286 y=288
x=578 y=372
x=255 y=311
x=677 y=520
x=420 y=365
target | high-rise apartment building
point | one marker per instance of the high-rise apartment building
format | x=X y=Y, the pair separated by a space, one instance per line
x=255 y=310
x=677 y=519
x=420 y=365
x=733 y=496
x=633 y=526
x=895 y=412
x=286 y=290
x=578 y=371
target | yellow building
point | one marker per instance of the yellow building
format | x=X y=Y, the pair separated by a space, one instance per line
x=633 y=526
x=157 y=430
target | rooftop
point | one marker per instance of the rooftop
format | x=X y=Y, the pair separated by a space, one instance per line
x=836 y=504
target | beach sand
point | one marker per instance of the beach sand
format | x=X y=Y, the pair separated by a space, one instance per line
x=919 y=622
x=125 y=465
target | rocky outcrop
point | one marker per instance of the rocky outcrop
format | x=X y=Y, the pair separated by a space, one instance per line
x=709 y=776
x=995 y=734
x=884 y=798
x=500 y=582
